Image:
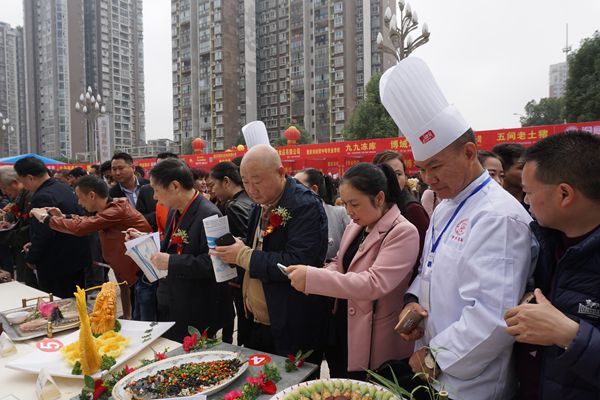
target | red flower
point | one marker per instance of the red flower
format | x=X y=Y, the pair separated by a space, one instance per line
x=234 y=394
x=159 y=356
x=275 y=220
x=128 y=369
x=252 y=380
x=25 y=215
x=300 y=363
x=204 y=334
x=99 y=389
x=189 y=342
x=291 y=357
x=269 y=387
x=178 y=240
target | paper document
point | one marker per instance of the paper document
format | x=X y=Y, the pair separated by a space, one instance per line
x=215 y=227
x=140 y=250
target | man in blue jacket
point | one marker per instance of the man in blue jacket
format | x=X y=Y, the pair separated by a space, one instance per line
x=58 y=258
x=560 y=327
x=289 y=226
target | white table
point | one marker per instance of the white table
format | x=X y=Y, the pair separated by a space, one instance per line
x=21 y=384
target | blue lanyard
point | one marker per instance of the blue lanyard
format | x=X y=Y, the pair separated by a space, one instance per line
x=436 y=242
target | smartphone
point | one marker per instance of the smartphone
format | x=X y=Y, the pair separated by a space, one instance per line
x=225 y=240
x=528 y=298
x=282 y=268
x=408 y=321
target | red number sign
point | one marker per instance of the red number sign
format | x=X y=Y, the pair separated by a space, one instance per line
x=49 y=345
x=257 y=360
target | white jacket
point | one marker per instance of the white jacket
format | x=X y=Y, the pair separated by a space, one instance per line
x=479 y=271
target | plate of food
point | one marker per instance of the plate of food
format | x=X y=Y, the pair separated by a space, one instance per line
x=102 y=342
x=29 y=322
x=338 y=389
x=181 y=376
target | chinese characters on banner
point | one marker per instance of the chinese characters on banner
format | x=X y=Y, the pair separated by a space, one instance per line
x=335 y=158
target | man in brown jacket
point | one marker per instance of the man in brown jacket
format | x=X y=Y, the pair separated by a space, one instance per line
x=112 y=218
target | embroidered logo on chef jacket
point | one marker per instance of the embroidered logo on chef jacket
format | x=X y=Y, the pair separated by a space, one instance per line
x=458 y=234
x=589 y=308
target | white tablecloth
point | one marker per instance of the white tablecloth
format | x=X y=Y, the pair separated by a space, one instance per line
x=21 y=384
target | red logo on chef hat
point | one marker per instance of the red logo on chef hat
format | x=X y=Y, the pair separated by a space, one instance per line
x=427 y=136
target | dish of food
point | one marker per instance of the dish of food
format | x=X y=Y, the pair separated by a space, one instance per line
x=334 y=389
x=181 y=376
x=29 y=322
x=141 y=334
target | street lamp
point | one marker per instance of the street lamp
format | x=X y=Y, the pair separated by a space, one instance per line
x=91 y=107
x=7 y=128
x=402 y=43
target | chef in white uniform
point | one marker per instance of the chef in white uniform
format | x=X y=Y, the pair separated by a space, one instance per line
x=478 y=252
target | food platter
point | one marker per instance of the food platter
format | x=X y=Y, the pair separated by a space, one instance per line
x=47 y=354
x=121 y=391
x=347 y=389
x=35 y=324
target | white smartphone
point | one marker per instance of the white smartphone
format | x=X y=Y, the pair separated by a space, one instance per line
x=282 y=268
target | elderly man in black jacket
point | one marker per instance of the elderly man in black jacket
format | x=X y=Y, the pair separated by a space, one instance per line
x=58 y=258
x=289 y=227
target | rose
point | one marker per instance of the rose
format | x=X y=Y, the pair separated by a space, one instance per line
x=189 y=342
x=99 y=389
x=275 y=220
x=128 y=369
x=269 y=387
x=159 y=356
x=234 y=394
x=252 y=380
x=177 y=240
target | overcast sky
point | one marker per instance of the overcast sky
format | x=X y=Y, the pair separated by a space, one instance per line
x=490 y=57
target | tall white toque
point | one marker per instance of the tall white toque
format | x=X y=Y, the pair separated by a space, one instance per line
x=415 y=102
x=255 y=133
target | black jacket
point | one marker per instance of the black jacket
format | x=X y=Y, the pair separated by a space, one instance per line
x=573 y=286
x=195 y=298
x=146 y=205
x=54 y=252
x=298 y=322
x=238 y=211
x=116 y=191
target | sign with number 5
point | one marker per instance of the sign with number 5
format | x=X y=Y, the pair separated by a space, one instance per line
x=49 y=345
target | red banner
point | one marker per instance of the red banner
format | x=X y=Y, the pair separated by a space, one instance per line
x=336 y=157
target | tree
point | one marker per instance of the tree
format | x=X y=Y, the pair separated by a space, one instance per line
x=547 y=112
x=304 y=138
x=582 y=96
x=370 y=119
x=187 y=147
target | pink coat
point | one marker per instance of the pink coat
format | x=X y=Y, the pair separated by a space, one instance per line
x=381 y=270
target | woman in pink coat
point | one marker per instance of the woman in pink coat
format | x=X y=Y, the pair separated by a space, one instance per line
x=369 y=276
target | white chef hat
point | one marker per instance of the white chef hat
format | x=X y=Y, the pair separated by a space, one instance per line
x=415 y=102
x=255 y=133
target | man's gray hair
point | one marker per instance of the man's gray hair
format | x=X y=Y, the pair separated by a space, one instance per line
x=7 y=175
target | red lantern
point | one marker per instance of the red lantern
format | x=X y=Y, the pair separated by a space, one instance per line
x=292 y=134
x=198 y=145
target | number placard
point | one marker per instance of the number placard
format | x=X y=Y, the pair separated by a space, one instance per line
x=258 y=360
x=49 y=345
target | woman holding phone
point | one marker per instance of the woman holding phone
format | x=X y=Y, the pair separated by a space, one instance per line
x=369 y=275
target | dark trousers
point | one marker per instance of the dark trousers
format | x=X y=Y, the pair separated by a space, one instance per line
x=244 y=324
x=261 y=338
x=24 y=273
x=61 y=284
x=143 y=300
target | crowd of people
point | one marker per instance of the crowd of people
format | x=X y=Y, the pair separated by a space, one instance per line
x=495 y=259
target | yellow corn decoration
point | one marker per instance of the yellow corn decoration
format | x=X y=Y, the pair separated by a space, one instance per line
x=90 y=358
x=104 y=316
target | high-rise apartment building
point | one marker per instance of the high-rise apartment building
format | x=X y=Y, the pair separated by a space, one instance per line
x=114 y=66
x=73 y=44
x=558 y=79
x=13 y=134
x=54 y=53
x=296 y=62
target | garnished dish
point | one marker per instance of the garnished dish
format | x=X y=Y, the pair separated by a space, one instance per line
x=32 y=321
x=334 y=389
x=184 y=380
x=181 y=376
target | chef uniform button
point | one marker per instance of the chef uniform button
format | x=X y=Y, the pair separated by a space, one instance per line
x=351 y=311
